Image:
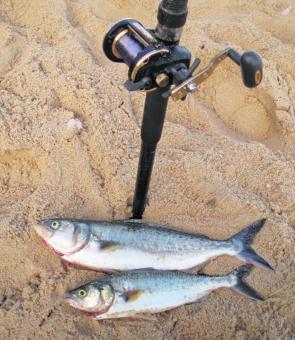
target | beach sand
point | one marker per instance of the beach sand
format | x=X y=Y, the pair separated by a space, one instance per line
x=69 y=146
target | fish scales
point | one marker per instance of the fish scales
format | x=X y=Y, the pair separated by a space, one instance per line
x=128 y=245
x=150 y=238
x=135 y=293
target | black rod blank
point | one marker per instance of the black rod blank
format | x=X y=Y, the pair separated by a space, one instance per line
x=152 y=125
x=171 y=19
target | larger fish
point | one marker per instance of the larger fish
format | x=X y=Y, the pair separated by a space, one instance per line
x=128 y=245
x=137 y=293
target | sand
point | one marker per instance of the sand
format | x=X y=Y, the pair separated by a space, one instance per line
x=69 y=145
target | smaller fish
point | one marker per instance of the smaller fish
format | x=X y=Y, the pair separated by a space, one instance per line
x=129 y=245
x=138 y=294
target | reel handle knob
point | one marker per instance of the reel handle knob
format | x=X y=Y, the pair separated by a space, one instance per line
x=251 y=67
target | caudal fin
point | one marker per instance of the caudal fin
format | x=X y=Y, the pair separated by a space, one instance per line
x=241 y=286
x=244 y=239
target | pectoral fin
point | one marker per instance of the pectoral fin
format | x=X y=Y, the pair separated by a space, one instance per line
x=108 y=245
x=131 y=295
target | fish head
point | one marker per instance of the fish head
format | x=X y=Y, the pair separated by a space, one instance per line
x=64 y=236
x=92 y=298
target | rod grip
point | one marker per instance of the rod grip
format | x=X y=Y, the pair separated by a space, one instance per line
x=172 y=16
x=172 y=13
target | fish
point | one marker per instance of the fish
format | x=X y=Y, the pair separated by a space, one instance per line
x=111 y=246
x=140 y=293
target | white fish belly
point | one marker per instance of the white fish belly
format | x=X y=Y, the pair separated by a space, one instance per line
x=151 y=302
x=125 y=258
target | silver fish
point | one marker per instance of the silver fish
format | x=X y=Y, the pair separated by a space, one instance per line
x=128 y=245
x=136 y=294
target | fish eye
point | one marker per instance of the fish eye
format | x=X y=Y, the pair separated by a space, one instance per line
x=55 y=225
x=82 y=293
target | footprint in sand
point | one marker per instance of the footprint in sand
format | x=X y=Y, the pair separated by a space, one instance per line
x=241 y=110
x=20 y=175
x=11 y=50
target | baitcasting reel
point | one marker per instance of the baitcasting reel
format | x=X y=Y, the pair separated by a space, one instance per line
x=148 y=58
x=154 y=63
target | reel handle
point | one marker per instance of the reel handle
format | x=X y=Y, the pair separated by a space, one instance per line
x=251 y=67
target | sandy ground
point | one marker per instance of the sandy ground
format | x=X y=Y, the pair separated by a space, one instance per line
x=226 y=159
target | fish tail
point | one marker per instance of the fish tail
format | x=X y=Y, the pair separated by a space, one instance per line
x=244 y=240
x=241 y=286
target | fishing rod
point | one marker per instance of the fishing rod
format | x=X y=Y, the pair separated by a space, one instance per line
x=163 y=69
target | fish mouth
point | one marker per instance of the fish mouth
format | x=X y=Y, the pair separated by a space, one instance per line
x=91 y=312
x=42 y=229
x=70 y=300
